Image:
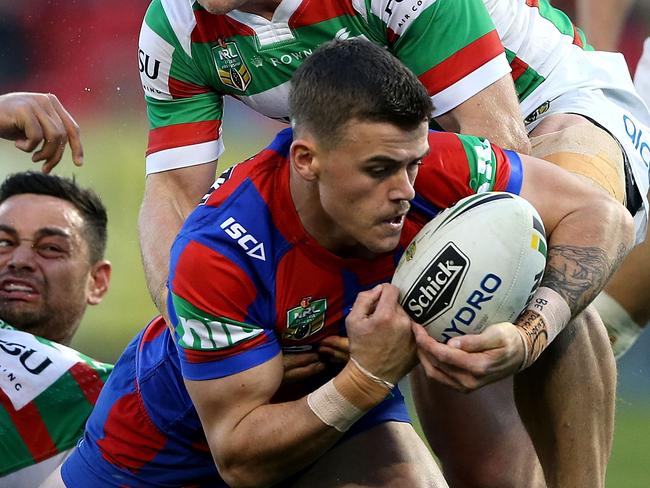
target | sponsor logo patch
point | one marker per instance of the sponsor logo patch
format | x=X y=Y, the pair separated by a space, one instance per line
x=436 y=288
x=231 y=68
x=306 y=319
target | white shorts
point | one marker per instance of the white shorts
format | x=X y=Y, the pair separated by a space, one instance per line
x=618 y=109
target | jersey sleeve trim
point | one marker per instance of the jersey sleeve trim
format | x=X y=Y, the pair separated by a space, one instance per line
x=470 y=85
x=182 y=157
x=516 y=172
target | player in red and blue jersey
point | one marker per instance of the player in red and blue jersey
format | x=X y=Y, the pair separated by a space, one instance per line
x=293 y=246
x=280 y=290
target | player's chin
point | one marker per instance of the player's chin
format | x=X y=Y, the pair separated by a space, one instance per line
x=383 y=244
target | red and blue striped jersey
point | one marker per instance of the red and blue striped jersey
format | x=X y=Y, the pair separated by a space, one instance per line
x=246 y=279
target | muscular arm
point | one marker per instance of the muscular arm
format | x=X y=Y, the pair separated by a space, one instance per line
x=169 y=196
x=588 y=235
x=256 y=443
x=492 y=113
x=589 y=232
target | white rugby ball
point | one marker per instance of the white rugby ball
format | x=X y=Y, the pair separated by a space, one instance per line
x=475 y=264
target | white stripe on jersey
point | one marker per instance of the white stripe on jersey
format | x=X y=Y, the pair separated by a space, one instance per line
x=181 y=17
x=534 y=39
x=155 y=63
x=398 y=15
x=181 y=157
x=272 y=102
x=476 y=81
x=214 y=335
x=270 y=32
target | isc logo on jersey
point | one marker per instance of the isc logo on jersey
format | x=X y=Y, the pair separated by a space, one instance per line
x=238 y=232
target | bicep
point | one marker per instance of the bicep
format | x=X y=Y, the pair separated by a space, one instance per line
x=553 y=191
x=493 y=113
x=223 y=403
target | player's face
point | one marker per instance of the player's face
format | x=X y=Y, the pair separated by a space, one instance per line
x=366 y=183
x=45 y=271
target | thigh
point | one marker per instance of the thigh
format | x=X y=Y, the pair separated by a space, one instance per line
x=478 y=437
x=390 y=454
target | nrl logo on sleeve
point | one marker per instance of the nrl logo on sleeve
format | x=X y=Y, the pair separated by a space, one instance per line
x=231 y=68
x=305 y=319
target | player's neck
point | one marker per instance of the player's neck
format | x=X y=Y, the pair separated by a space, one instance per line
x=263 y=8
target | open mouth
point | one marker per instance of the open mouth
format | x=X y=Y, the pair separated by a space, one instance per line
x=17 y=290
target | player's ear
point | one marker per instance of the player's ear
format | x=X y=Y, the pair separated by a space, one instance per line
x=98 y=279
x=304 y=158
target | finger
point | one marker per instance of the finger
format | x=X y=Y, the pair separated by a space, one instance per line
x=337 y=342
x=433 y=372
x=54 y=141
x=334 y=355
x=33 y=133
x=490 y=338
x=72 y=130
x=303 y=372
x=296 y=360
x=365 y=303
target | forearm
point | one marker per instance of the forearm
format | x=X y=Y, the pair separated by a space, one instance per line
x=275 y=441
x=492 y=113
x=168 y=199
x=583 y=253
x=585 y=250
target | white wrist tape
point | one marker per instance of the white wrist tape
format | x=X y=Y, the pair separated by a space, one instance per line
x=333 y=408
x=544 y=318
x=553 y=309
x=622 y=330
x=373 y=377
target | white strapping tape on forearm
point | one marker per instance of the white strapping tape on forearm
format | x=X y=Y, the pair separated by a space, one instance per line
x=333 y=408
x=553 y=309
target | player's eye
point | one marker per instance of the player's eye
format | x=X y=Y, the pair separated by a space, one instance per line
x=6 y=244
x=51 y=250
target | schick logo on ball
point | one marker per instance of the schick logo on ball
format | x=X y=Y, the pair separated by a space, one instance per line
x=436 y=288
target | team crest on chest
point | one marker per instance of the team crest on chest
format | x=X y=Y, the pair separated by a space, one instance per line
x=231 y=68
x=305 y=319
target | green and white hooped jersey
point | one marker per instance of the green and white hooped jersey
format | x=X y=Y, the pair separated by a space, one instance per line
x=189 y=59
x=47 y=392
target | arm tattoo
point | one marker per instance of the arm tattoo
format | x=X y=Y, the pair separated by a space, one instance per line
x=579 y=273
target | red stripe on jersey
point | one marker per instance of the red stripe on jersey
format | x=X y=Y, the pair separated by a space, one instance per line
x=532 y=3
x=130 y=438
x=210 y=27
x=155 y=328
x=309 y=13
x=88 y=380
x=224 y=291
x=196 y=356
x=184 y=89
x=462 y=63
x=32 y=429
x=179 y=135
x=503 y=169
x=446 y=162
x=239 y=174
x=577 y=40
x=391 y=36
x=518 y=67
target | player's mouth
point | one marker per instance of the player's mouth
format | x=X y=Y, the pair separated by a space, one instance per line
x=395 y=223
x=18 y=290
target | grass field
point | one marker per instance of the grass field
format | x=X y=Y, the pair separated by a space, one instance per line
x=115 y=168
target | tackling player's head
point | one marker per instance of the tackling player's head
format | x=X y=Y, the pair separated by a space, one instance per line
x=52 y=243
x=360 y=123
x=343 y=81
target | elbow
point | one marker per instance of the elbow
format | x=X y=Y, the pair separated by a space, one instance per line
x=239 y=474
x=620 y=226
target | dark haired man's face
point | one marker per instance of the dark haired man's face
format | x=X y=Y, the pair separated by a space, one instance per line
x=46 y=278
x=366 y=182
